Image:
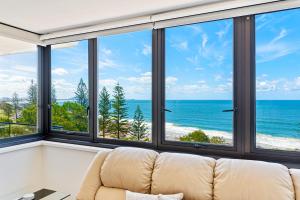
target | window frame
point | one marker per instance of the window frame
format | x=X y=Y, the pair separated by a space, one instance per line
x=113 y=141
x=203 y=147
x=85 y=136
x=6 y=142
x=260 y=153
x=244 y=97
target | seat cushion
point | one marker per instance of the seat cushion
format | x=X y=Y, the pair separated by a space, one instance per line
x=106 y=193
x=129 y=168
x=252 y=180
x=295 y=173
x=189 y=174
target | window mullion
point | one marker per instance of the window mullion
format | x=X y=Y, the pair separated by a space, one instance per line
x=44 y=83
x=93 y=108
x=244 y=60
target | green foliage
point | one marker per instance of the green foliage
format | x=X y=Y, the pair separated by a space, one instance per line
x=119 y=125
x=53 y=94
x=7 y=109
x=200 y=136
x=195 y=136
x=217 y=140
x=138 y=126
x=104 y=107
x=32 y=93
x=71 y=116
x=29 y=114
x=81 y=95
x=16 y=104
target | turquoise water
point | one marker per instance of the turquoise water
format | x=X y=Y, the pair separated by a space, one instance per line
x=279 y=118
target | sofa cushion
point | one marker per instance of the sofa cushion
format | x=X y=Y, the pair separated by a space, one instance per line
x=91 y=182
x=252 y=180
x=295 y=173
x=189 y=174
x=129 y=168
x=106 y=193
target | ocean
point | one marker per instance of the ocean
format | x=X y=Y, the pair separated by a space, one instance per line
x=279 y=118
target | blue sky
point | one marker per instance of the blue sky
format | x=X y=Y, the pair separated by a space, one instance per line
x=199 y=61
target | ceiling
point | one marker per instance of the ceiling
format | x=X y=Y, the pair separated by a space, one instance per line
x=45 y=16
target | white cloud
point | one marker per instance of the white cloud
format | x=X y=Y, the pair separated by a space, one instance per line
x=144 y=78
x=105 y=51
x=272 y=51
x=225 y=29
x=59 y=71
x=16 y=78
x=199 y=68
x=64 y=89
x=204 y=40
x=107 y=82
x=218 y=77
x=171 y=80
x=266 y=85
x=146 y=50
x=181 y=46
x=276 y=48
x=107 y=63
x=283 y=33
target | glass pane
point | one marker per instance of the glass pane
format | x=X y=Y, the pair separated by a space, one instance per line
x=199 y=65
x=18 y=88
x=125 y=77
x=278 y=80
x=69 y=89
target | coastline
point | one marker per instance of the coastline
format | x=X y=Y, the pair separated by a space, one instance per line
x=263 y=141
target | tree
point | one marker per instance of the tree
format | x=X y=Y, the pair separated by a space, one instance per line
x=32 y=93
x=217 y=140
x=7 y=109
x=70 y=116
x=119 y=114
x=16 y=104
x=29 y=114
x=53 y=94
x=104 y=107
x=195 y=136
x=139 y=128
x=81 y=95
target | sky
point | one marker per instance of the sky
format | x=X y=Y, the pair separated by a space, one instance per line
x=199 y=62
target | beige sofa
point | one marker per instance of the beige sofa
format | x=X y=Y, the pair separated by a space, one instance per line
x=112 y=172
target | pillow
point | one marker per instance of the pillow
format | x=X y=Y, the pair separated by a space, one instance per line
x=140 y=196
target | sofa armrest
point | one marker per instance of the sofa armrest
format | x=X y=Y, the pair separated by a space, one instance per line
x=295 y=173
x=91 y=181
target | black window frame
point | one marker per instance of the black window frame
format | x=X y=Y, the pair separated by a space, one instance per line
x=203 y=147
x=65 y=134
x=244 y=89
x=6 y=142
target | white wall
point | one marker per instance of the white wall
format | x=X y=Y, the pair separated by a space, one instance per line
x=64 y=168
x=43 y=164
x=20 y=170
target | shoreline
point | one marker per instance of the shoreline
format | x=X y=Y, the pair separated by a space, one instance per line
x=263 y=141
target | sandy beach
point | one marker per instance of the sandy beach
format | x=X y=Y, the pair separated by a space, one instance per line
x=174 y=132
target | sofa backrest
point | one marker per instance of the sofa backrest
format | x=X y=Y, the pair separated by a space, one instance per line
x=199 y=178
x=129 y=169
x=252 y=180
x=190 y=174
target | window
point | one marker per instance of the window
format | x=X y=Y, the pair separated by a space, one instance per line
x=278 y=80
x=69 y=88
x=198 y=83
x=18 y=88
x=125 y=78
